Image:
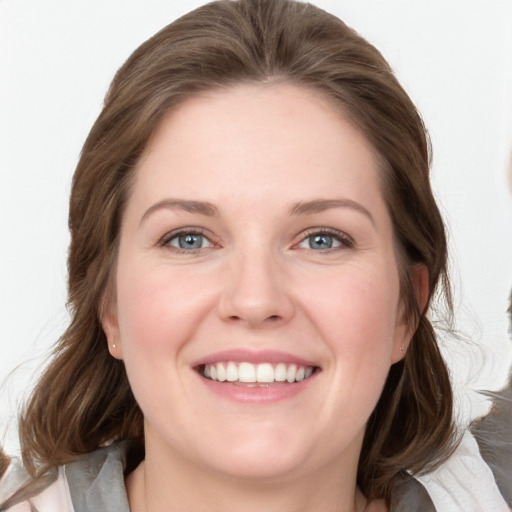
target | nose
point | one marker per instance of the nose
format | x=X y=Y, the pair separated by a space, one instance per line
x=256 y=293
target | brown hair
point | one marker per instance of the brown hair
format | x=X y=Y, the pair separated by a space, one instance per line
x=4 y=462
x=83 y=399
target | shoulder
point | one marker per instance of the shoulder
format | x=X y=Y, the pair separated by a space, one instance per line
x=93 y=482
x=409 y=495
x=18 y=493
x=493 y=434
x=96 y=482
x=464 y=483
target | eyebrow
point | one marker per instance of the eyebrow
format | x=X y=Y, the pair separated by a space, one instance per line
x=321 y=205
x=300 y=208
x=201 y=207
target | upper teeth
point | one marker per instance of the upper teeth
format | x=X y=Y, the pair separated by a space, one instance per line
x=263 y=372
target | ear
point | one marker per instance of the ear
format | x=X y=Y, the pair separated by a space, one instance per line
x=421 y=286
x=404 y=331
x=110 y=325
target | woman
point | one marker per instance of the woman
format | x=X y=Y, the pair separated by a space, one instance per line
x=254 y=250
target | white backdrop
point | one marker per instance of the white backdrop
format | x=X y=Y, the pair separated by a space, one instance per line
x=57 y=58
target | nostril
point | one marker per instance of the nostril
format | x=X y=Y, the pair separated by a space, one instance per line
x=272 y=319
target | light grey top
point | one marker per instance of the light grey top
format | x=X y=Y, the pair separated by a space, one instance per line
x=96 y=481
x=96 y=484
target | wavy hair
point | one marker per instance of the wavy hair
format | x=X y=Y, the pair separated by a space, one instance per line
x=83 y=399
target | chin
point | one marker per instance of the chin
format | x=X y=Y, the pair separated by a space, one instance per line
x=262 y=455
x=261 y=466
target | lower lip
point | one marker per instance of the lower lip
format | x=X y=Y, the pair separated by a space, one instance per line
x=257 y=394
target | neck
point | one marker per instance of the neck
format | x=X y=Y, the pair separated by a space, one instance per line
x=160 y=484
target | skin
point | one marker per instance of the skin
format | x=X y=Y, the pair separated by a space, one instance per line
x=253 y=152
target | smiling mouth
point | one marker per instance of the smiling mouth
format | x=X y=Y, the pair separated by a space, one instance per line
x=256 y=375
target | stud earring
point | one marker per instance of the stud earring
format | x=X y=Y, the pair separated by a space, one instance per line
x=114 y=346
x=402 y=348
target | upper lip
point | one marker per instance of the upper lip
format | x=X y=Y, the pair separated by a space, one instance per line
x=252 y=356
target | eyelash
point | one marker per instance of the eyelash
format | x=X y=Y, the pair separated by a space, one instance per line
x=345 y=241
x=168 y=237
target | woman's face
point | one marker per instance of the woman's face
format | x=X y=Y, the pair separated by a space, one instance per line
x=257 y=294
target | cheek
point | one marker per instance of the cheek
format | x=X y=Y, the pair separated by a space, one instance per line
x=356 y=312
x=159 y=310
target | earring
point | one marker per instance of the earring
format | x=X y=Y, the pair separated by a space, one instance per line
x=114 y=346
x=402 y=348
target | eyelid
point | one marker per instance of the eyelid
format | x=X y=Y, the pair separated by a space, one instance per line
x=346 y=240
x=164 y=241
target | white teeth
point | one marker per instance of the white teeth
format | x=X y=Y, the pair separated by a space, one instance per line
x=231 y=372
x=221 y=372
x=291 y=373
x=280 y=372
x=247 y=372
x=256 y=373
x=265 y=373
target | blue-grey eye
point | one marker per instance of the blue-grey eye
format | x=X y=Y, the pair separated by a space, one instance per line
x=320 y=241
x=188 y=241
x=323 y=241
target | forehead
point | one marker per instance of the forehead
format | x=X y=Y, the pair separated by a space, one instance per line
x=259 y=138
